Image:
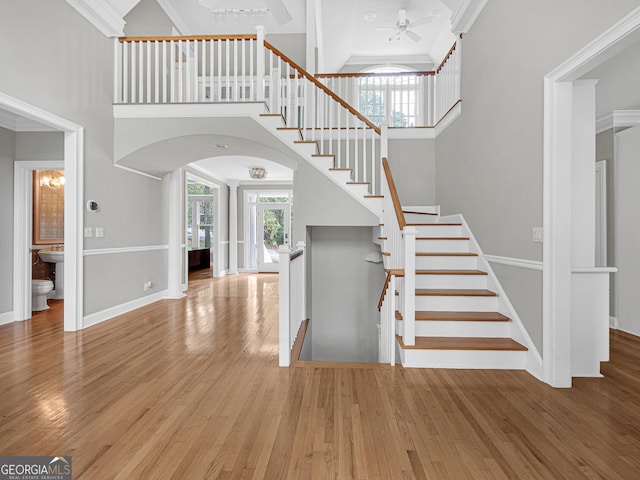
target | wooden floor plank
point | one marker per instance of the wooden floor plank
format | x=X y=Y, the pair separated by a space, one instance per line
x=191 y=388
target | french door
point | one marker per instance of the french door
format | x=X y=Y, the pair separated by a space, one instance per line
x=273 y=232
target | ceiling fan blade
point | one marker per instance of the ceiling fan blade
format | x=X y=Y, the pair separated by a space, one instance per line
x=279 y=11
x=413 y=36
x=402 y=18
x=422 y=21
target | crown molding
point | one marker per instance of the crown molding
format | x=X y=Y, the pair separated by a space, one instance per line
x=618 y=119
x=465 y=15
x=101 y=15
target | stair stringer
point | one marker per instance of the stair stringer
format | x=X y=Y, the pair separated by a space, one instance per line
x=323 y=164
x=533 y=359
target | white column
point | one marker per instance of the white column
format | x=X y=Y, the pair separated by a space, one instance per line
x=233 y=226
x=260 y=62
x=284 y=314
x=176 y=238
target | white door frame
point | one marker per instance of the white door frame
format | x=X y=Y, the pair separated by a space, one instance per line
x=73 y=218
x=558 y=149
x=601 y=213
x=261 y=207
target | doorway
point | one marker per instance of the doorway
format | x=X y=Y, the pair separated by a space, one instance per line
x=267 y=228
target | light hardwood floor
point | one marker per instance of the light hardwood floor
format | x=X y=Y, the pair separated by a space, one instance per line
x=190 y=389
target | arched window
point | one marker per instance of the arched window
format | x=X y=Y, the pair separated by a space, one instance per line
x=392 y=93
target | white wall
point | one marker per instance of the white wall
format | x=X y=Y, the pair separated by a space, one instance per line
x=147 y=18
x=7 y=155
x=346 y=289
x=627 y=230
x=413 y=166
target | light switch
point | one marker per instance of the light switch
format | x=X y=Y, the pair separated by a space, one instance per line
x=88 y=232
x=537 y=234
x=99 y=232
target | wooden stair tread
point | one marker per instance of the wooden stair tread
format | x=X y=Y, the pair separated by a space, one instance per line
x=382 y=238
x=454 y=292
x=321 y=154
x=374 y=196
x=450 y=272
x=428 y=315
x=357 y=183
x=288 y=128
x=446 y=254
x=305 y=141
x=341 y=169
x=463 y=343
x=271 y=115
x=419 y=213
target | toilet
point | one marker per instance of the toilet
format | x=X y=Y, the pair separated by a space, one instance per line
x=39 y=291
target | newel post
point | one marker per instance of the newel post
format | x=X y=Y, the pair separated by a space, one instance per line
x=283 y=302
x=260 y=62
x=409 y=234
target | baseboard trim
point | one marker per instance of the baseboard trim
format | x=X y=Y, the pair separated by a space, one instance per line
x=109 y=313
x=613 y=323
x=6 y=318
x=515 y=262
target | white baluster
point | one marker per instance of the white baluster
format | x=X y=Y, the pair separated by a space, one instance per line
x=227 y=45
x=211 y=69
x=125 y=72
x=180 y=74
x=244 y=75
x=235 y=70
x=252 y=94
x=219 y=86
x=134 y=67
x=148 y=72
x=172 y=69
x=156 y=92
x=260 y=53
x=141 y=72
x=202 y=77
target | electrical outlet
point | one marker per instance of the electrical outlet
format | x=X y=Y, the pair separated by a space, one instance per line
x=537 y=234
x=146 y=286
x=88 y=232
x=99 y=232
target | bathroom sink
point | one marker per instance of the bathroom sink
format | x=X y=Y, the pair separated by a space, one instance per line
x=52 y=256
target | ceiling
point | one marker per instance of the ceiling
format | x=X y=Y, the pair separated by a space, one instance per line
x=228 y=167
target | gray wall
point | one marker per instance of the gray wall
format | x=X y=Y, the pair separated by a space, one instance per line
x=65 y=66
x=147 y=18
x=605 y=151
x=293 y=45
x=40 y=146
x=7 y=155
x=489 y=162
x=627 y=232
x=346 y=289
x=413 y=166
x=317 y=201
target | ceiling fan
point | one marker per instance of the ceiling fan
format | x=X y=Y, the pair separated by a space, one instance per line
x=276 y=8
x=403 y=26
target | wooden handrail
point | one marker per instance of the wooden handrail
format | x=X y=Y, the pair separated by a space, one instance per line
x=446 y=57
x=397 y=273
x=394 y=194
x=370 y=74
x=317 y=83
x=296 y=254
x=188 y=37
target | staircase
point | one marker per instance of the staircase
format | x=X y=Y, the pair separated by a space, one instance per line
x=463 y=318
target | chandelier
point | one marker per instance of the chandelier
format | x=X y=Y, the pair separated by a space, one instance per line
x=257 y=173
x=53 y=181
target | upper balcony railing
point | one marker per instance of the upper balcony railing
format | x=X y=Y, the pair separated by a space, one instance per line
x=402 y=99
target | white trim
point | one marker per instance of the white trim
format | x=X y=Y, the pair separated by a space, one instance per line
x=557 y=188
x=466 y=14
x=176 y=257
x=226 y=242
x=254 y=183
x=187 y=110
x=613 y=323
x=111 y=251
x=139 y=172
x=239 y=241
x=17 y=123
x=594 y=270
x=248 y=270
x=7 y=317
x=448 y=119
x=515 y=262
x=618 y=119
x=207 y=173
x=101 y=15
x=601 y=213
x=123 y=308
x=225 y=272
x=73 y=210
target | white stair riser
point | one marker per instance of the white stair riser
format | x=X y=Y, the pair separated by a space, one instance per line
x=418 y=218
x=341 y=176
x=454 y=303
x=446 y=263
x=289 y=135
x=442 y=246
x=472 y=359
x=443 y=328
x=326 y=163
x=359 y=189
x=451 y=281
x=438 y=231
